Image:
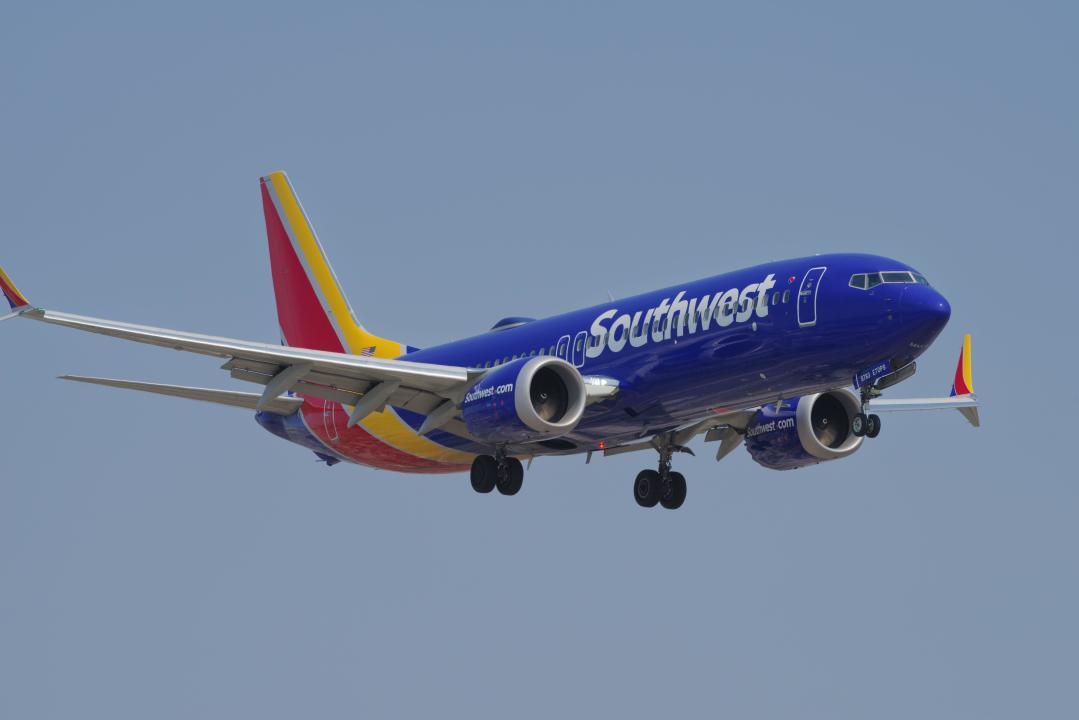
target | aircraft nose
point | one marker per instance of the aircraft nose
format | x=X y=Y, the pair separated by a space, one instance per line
x=924 y=309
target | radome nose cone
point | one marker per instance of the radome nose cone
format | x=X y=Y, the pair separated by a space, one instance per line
x=925 y=308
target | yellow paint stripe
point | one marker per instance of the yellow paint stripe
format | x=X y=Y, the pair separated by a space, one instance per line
x=968 y=375
x=356 y=338
x=385 y=425
x=390 y=428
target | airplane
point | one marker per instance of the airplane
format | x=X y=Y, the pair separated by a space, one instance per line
x=788 y=358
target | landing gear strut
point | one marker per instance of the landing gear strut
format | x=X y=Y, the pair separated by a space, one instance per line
x=505 y=473
x=662 y=486
x=862 y=424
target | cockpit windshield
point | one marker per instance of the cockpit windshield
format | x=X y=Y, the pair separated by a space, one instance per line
x=865 y=281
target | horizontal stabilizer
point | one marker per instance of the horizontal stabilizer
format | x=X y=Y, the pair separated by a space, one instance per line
x=279 y=405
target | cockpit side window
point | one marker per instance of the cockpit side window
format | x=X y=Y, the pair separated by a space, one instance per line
x=872 y=280
x=920 y=279
x=858 y=281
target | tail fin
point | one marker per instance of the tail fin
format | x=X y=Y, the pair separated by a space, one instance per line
x=311 y=307
x=964 y=382
x=15 y=299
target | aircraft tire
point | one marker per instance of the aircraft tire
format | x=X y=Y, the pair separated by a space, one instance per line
x=858 y=424
x=513 y=478
x=674 y=492
x=484 y=474
x=872 y=427
x=647 y=488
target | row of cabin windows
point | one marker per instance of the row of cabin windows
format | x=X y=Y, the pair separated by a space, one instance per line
x=865 y=281
x=511 y=358
x=659 y=325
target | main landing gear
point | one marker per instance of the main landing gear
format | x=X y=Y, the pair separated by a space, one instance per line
x=867 y=425
x=505 y=473
x=862 y=424
x=663 y=486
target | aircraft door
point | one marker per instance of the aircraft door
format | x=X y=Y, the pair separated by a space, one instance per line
x=562 y=349
x=580 y=342
x=329 y=420
x=807 y=297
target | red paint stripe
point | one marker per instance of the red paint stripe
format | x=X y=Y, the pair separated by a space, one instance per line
x=329 y=425
x=960 y=384
x=305 y=324
x=303 y=321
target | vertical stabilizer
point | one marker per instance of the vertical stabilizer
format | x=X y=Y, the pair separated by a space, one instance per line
x=312 y=310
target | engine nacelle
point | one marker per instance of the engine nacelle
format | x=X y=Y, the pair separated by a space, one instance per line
x=806 y=431
x=525 y=400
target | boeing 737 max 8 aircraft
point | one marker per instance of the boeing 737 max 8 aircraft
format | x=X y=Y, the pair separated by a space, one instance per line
x=788 y=358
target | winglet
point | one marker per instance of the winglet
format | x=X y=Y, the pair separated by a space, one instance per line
x=964 y=382
x=15 y=299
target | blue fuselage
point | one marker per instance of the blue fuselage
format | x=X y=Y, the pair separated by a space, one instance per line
x=777 y=330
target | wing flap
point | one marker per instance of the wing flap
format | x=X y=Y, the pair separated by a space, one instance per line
x=279 y=406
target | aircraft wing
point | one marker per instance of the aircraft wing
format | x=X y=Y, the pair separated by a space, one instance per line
x=966 y=404
x=961 y=398
x=366 y=383
x=725 y=427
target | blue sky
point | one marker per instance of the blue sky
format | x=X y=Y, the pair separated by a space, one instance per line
x=462 y=163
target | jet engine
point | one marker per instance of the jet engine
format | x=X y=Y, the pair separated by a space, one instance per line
x=525 y=400
x=804 y=431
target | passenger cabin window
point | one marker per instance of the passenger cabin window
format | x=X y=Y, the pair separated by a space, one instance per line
x=786 y=295
x=775 y=298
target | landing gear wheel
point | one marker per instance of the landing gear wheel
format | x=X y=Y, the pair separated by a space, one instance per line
x=858 y=424
x=512 y=477
x=674 y=491
x=646 y=488
x=484 y=474
x=872 y=426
